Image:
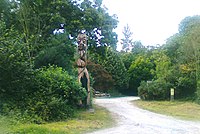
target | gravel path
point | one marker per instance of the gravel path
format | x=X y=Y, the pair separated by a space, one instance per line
x=133 y=120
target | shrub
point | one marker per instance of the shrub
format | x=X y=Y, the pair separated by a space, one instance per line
x=155 y=90
x=186 y=87
x=198 y=92
x=52 y=95
x=102 y=79
x=16 y=68
x=140 y=70
x=55 y=94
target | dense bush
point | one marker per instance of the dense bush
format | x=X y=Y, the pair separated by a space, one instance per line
x=198 y=93
x=154 y=90
x=55 y=94
x=52 y=95
x=185 y=87
x=15 y=66
x=140 y=70
x=102 y=79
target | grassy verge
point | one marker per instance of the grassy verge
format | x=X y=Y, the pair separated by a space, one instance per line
x=5 y=125
x=84 y=122
x=181 y=109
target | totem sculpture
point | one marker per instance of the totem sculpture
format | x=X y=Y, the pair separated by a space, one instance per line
x=83 y=75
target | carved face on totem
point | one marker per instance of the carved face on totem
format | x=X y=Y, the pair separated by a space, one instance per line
x=82 y=41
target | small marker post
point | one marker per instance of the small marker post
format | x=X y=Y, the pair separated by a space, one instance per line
x=172 y=94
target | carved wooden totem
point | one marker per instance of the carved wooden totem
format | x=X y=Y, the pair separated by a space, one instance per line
x=83 y=75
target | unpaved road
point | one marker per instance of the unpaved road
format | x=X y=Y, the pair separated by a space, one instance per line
x=133 y=120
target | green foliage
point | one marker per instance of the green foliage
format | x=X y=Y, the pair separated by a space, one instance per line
x=83 y=122
x=138 y=48
x=154 y=90
x=183 y=50
x=103 y=81
x=55 y=94
x=140 y=70
x=28 y=87
x=189 y=23
x=15 y=65
x=189 y=30
x=127 y=59
x=185 y=87
x=198 y=93
x=172 y=48
x=110 y=67
x=98 y=24
x=45 y=94
x=32 y=89
x=114 y=65
x=5 y=125
x=59 y=51
x=38 y=19
x=162 y=64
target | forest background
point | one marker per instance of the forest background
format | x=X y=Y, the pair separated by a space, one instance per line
x=38 y=55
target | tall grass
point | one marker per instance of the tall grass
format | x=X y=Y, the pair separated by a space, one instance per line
x=84 y=121
x=181 y=109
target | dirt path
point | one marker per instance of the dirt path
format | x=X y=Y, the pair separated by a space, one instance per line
x=133 y=120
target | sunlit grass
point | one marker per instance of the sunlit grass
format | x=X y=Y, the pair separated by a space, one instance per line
x=180 y=109
x=85 y=121
x=5 y=125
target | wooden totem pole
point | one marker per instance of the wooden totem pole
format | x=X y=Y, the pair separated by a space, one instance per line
x=83 y=75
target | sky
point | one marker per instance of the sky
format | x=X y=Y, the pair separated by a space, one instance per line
x=151 y=21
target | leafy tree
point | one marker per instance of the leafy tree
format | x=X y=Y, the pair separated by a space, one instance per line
x=44 y=94
x=182 y=77
x=4 y=9
x=127 y=58
x=158 y=88
x=138 y=48
x=172 y=48
x=59 y=51
x=127 y=42
x=140 y=70
x=97 y=23
x=183 y=50
x=162 y=65
x=111 y=61
x=38 y=19
x=103 y=80
x=189 y=29
x=14 y=63
x=114 y=65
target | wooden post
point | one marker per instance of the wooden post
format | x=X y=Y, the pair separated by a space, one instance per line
x=172 y=94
